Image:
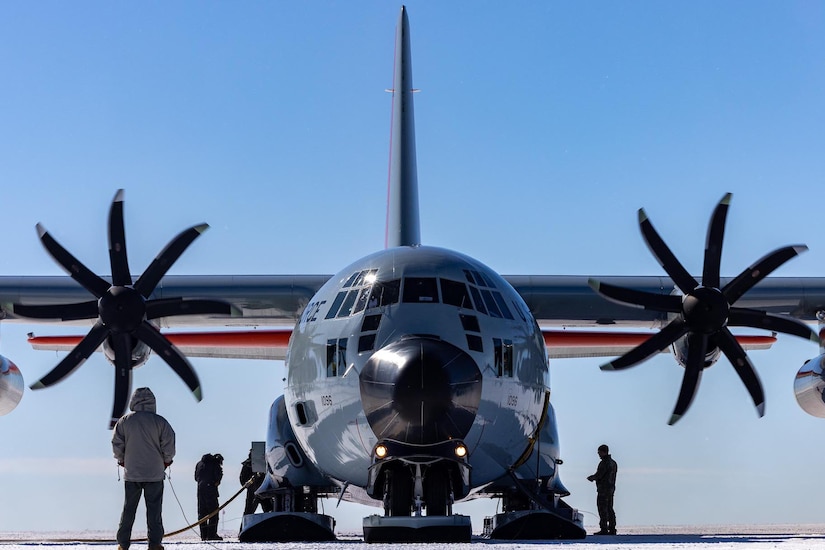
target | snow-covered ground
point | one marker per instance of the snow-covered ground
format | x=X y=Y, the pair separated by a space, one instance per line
x=715 y=537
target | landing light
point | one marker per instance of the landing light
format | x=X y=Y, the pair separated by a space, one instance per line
x=380 y=451
x=460 y=451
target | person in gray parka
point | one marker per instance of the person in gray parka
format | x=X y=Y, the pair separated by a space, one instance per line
x=143 y=443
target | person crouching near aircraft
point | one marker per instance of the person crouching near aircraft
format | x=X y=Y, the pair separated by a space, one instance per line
x=257 y=478
x=605 y=478
x=208 y=474
x=143 y=443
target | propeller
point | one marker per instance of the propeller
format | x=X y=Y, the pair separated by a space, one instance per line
x=703 y=313
x=123 y=310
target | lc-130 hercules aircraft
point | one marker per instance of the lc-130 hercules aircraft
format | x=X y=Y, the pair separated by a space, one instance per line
x=416 y=376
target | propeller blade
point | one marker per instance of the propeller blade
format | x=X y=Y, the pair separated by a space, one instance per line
x=72 y=265
x=664 y=256
x=61 y=312
x=697 y=349
x=178 y=306
x=147 y=282
x=169 y=353
x=713 y=244
x=117 y=243
x=122 y=347
x=76 y=357
x=758 y=271
x=638 y=298
x=743 y=367
x=653 y=345
x=744 y=317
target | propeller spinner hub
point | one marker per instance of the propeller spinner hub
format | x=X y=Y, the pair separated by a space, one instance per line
x=122 y=309
x=705 y=309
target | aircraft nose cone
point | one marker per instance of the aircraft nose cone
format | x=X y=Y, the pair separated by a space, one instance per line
x=420 y=390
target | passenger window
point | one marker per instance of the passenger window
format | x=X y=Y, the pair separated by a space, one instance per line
x=336 y=357
x=503 y=357
x=455 y=293
x=420 y=290
x=497 y=357
x=507 y=358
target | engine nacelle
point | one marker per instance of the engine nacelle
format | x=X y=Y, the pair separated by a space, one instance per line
x=11 y=386
x=809 y=385
x=140 y=353
x=680 y=352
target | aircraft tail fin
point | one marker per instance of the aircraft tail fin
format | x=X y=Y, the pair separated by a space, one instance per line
x=403 y=226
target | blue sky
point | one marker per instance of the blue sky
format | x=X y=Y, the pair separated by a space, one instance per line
x=541 y=128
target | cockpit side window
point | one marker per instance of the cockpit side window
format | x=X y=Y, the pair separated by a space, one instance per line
x=352 y=278
x=477 y=299
x=502 y=305
x=346 y=307
x=490 y=302
x=420 y=290
x=384 y=293
x=336 y=305
x=362 y=300
x=455 y=293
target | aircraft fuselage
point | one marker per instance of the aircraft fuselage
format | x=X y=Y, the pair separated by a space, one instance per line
x=419 y=345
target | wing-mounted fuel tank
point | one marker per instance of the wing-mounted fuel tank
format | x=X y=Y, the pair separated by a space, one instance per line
x=809 y=384
x=11 y=386
x=294 y=485
x=531 y=493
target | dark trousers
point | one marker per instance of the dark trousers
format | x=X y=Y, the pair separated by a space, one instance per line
x=607 y=517
x=153 y=498
x=252 y=502
x=208 y=503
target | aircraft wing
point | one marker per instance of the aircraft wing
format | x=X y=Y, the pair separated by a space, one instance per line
x=569 y=301
x=279 y=300
x=257 y=300
x=265 y=307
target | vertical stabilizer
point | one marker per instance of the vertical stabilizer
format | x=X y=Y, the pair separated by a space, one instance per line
x=403 y=226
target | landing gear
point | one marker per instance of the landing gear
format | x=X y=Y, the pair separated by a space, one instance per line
x=418 y=496
x=438 y=493
x=294 y=517
x=398 y=491
x=531 y=514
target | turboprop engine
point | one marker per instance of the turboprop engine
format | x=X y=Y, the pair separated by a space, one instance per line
x=11 y=386
x=809 y=387
x=681 y=349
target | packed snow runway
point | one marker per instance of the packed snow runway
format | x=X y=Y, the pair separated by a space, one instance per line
x=783 y=537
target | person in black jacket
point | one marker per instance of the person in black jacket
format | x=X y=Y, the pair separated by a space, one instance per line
x=208 y=474
x=605 y=478
x=252 y=499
